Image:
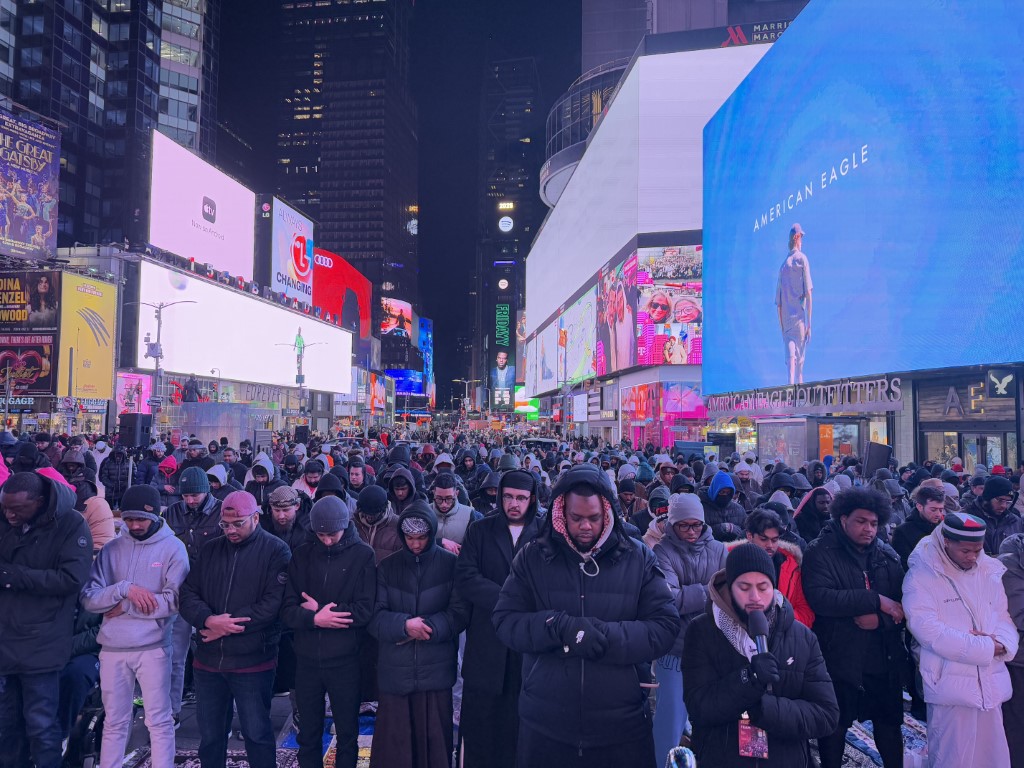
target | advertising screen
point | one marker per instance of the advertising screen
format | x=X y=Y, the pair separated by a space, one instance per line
x=376 y=394
x=406 y=382
x=850 y=220
x=291 y=252
x=616 y=317
x=670 y=306
x=427 y=347
x=190 y=342
x=521 y=337
x=29 y=325
x=29 y=191
x=133 y=392
x=396 y=317
x=547 y=358
x=198 y=212
x=528 y=406
x=577 y=339
x=340 y=289
x=87 y=338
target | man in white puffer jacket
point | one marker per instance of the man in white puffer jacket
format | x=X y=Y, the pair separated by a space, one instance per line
x=955 y=604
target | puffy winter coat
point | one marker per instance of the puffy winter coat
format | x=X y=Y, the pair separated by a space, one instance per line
x=718 y=688
x=572 y=700
x=1011 y=555
x=195 y=528
x=834 y=583
x=382 y=535
x=998 y=526
x=484 y=563
x=116 y=476
x=41 y=572
x=244 y=579
x=716 y=515
x=809 y=521
x=944 y=605
x=344 y=574
x=688 y=569
x=421 y=585
x=908 y=534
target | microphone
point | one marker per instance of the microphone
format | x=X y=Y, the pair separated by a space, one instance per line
x=681 y=757
x=757 y=623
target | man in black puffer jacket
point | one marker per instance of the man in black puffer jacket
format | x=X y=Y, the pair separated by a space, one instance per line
x=417 y=621
x=116 y=476
x=329 y=599
x=589 y=609
x=854 y=584
x=45 y=556
x=786 y=691
x=233 y=596
x=492 y=673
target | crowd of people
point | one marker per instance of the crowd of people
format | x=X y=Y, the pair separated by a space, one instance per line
x=596 y=605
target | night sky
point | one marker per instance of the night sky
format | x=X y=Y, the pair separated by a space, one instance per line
x=452 y=41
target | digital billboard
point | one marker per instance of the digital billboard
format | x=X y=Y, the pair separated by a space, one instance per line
x=547 y=358
x=577 y=339
x=29 y=331
x=133 y=392
x=869 y=221
x=200 y=213
x=87 y=338
x=670 y=306
x=396 y=317
x=273 y=335
x=616 y=317
x=291 y=252
x=29 y=190
x=521 y=337
x=406 y=382
x=528 y=406
x=339 y=289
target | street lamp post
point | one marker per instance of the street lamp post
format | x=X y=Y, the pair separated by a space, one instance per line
x=156 y=351
x=217 y=371
x=467 y=382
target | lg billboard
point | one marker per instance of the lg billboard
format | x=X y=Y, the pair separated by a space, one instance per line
x=291 y=252
x=191 y=344
x=199 y=213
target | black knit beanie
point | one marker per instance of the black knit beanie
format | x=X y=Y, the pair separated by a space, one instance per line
x=748 y=558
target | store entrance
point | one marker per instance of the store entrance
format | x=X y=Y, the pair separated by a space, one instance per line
x=988 y=448
x=983 y=448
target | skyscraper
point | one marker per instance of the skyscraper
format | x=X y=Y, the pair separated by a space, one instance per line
x=110 y=71
x=511 y=152
x=346 y=144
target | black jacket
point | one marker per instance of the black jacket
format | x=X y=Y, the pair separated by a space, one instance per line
x=484 y=563
x=245 y=579
x=718 y=688
x=589 y=703
x=409 y=586
x=42 y=571
x=907 y=536
x=194 y=529
x=344 y=574
x=116 y=475
x=146 y=470
x=834 y=585
x=261 y=492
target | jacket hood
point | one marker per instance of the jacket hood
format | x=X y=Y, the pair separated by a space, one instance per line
x=594 y=476
x=720 y=482
x=168 y=465
x=780 y=497
x=162 y=533
x=1013 y=547
x=406 y=475
x=419 y=509
x=808 y=501
x=492 y=480
x=61 y=499
x=502 y=482
x=400 y=454
x=658 y=494
x=444 y=458
x=218 y=471
x=328 y=483
x=811 y=466
x=788 y=549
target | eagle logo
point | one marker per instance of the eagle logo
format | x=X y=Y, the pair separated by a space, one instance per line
x=1001 y=384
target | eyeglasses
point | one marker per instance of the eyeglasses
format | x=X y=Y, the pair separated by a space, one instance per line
x=444 y=500
x=508 y=497
x=689 y=526
x=227 y=525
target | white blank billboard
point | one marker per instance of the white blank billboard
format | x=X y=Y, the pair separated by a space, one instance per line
x=246 y=338
x=197 y=212
x=642 y=171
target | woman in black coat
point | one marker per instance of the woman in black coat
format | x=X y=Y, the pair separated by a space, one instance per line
x=787 y=691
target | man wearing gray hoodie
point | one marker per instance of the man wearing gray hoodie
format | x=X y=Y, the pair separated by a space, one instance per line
x=134 y=583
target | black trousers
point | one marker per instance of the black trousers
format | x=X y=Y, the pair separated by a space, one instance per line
x=880 y=700
x=341 y=683
x=489 y=727
x=538 y=751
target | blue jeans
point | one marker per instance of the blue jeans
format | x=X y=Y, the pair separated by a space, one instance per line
x=251 y=692
x=77 y=680
x=28 y=720
x=670 y=714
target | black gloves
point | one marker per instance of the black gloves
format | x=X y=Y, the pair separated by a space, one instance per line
x=765 y=668
x=579 y=636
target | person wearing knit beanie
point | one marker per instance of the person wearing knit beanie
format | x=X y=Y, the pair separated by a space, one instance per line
x=193 y=481
x=995 y=506
x=141 y=501
x=748 y=558
x=996 y=486
x=329 y=515
x=684 y=506
x=372 y=502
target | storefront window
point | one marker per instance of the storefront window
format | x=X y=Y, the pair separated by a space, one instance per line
x=1011 y=451
x=878 y=429
x=941 y=446
x=661 y=413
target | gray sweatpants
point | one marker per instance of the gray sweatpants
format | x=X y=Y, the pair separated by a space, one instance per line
x=119 y=671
